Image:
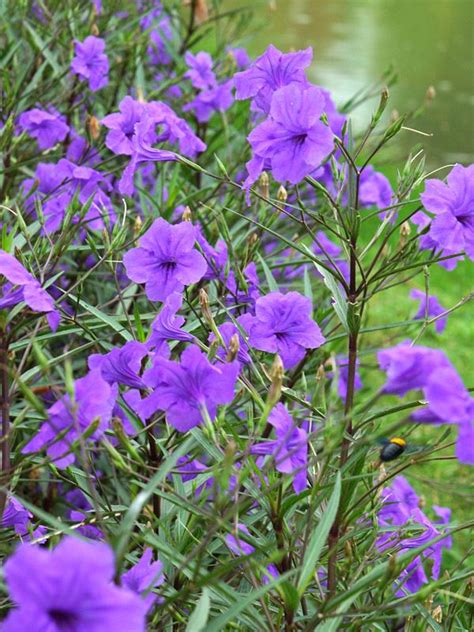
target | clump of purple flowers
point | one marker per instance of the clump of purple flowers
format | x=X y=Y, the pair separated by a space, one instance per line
x=69 y=588
x=90 y=62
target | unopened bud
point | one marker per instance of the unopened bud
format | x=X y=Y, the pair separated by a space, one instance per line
x=320 y=373
x=348 y=554
x=437 y=614
x=204 y=303
x=405 y=230
x=282 y=194
x=233 y=349
x=95 y=30
x=140 y=95
x=202 y=12
x=187 y=214
x=264 y=184
x=137 y=225
x=430 y=94
x=252 y=240
x=94 y=127
x=394 y=116
x=276 y=374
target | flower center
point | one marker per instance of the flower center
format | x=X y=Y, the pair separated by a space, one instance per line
x=64 y=620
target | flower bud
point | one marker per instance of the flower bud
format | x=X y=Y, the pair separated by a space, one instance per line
x=205 y=309
x=137 y=225
x=187 y=214
x=264 y=185
x=394 y=116
x=320 y=373
x=233 y=349
x=430 y=95
x=276 y=375
x=93 y=127
x=405 y=230
x=437 y=614
x=95 y=30
x=282 y=194
x=140 y=95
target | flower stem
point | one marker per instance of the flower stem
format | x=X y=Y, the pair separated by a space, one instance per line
x=5 y=408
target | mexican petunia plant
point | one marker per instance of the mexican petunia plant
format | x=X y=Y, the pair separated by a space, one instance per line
x=235 y=391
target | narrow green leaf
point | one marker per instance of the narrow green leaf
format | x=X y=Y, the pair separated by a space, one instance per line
x=319 y=538
x=198 y=620
x=338 y=302
x=272 y=284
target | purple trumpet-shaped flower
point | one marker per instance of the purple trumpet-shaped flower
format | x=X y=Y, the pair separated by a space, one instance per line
x=270 y=72
x=200 y=71
x=68 y=418
x=146 y=574
x=166 y=259
x=16 y=516
x=375 y=189
x=289 y=450
x=452 y=204
x=186 y=389
x=240 y=547
x=167 y=325
x=121 y=365
x=216 y=99
x=69 y=589
x=448 y=401
x=90 y=62
x=283 y=324
x=27 y=289
x=227 y=331
x=48 y=128
x=399 y=514
x=423 y=221
x=172 y=129
x=408 y=367
x=293 y=141
x=121 y=126
x=429 y=307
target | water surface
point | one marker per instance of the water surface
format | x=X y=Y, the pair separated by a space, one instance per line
x=428 y=42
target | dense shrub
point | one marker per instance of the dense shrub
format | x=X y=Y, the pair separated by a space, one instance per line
x=202 y=426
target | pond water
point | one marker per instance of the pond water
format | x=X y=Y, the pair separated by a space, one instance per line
x=428 y=42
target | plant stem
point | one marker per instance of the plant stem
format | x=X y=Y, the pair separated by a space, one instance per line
x=5 y=406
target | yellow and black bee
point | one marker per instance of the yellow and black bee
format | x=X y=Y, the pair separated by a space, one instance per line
x=392 y=449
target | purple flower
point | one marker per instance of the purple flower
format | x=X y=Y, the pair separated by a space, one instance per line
x=283 y=324
x=465 y=440
x=121 y=365
x=122 y=126
x=82 y=511
x=343 y=367
x=216 y=99
x=453 y=207
x=240 y=547
x=399 y=512
x=166 y=260
x=240 y=56
x=374 y=189
x=293 y=140
x=227 y=330
x=145 y=575
x=16 y=516
x=289 y=450
x=429 y=309
x=185 y=389
x=167 y=325
x=172 y=129
x=270 y=72
x=29 y=290
x=90 y=62
x=200 y=71
x=47 y=127
x=426 y=242
x=69 y=588
x=68 y=418
x=408 y=367
x=448 y=399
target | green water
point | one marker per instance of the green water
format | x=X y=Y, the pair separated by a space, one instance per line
x=428 y=42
